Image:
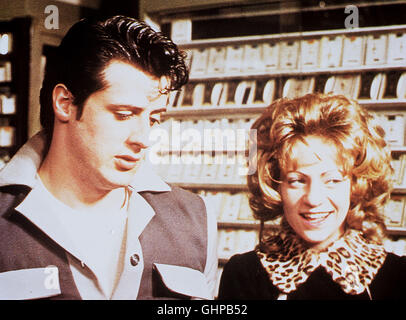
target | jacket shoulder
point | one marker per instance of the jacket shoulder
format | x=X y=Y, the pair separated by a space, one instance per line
x=178 y=199
x=10 y=197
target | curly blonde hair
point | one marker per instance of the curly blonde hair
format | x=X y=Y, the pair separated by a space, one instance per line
x=360 y=143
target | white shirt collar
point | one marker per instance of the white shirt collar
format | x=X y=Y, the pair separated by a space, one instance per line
x=23 y=168
x=58 y=220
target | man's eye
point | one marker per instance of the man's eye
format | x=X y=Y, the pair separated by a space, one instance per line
x=155 y=120
x=123 y=115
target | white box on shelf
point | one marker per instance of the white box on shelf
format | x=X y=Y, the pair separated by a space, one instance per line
x=397 y=48
x=218 y=95
x=226 y=243
x=198 y=95
x=378 y=86
x=200 y=58
x=394 y=126
x=227 y=168
x=289 y=53
x=270 y=55
x=268 y=94
x=210 y=168
x=7 y=135
x=401 y=87
x=231 y=204
x=309 y=53
x=294 y=88
x=376 y=49
x=353 y=51
x=173 y=99
x=348 y=85
x=181 y=30
x=394 y=211
x=217 y=202
x=234 y=59
x=192 y=165
x=8 y=104
x=245 y=212
x=252 y=61
x=6 y=43
x=175 y=168
x=331 y=49
x=246 y=240
x=245 y=92
x=217 y=58
x=398 y=165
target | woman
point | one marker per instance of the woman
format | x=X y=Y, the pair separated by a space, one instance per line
x=324 y=168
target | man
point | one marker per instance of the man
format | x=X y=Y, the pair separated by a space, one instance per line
x=82 y=215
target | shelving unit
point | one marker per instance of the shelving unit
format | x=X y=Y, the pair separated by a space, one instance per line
x=14 y=85
x=229 y=77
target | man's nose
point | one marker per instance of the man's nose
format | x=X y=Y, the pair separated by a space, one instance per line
x=140 y=133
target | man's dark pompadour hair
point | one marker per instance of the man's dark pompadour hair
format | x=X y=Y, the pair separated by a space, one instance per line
x=90 y=45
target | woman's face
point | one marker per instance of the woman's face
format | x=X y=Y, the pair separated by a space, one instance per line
x=315 y=193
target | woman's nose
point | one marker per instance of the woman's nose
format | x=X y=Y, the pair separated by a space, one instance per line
x=314 y=194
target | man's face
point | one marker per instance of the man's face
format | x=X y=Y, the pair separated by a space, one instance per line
x=109 y=140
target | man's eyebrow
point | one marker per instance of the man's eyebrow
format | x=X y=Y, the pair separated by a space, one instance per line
x=132 y=107
x=124 y=106
x=158 y=111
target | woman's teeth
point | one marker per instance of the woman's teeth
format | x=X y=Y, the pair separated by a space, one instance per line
x=315 y=216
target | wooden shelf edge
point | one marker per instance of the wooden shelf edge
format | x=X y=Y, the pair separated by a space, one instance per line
x=211 y=186
x=255 y=110
x=245 y=224
x=298 y=72
x=399 y=231
x=289 y=36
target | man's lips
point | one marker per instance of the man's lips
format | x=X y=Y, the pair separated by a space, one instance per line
x=126 y=162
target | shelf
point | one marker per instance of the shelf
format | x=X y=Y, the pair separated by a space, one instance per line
x=239 y=224
x=6 y=57
x=211 y=186
x=7 y=115
x=6 y=83
x=399 y=231
x=243 y=224
x=246 y=224
x=290 y=36
x=215 y=112
x=399 y=190
x=398 y=149
x=383 y=104
x=297 y=72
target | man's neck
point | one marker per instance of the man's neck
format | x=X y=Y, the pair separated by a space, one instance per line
x=79 y=194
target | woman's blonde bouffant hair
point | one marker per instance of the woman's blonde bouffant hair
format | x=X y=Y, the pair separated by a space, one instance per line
x=360 y=144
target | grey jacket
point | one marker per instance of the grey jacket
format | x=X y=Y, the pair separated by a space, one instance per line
x=176 y=235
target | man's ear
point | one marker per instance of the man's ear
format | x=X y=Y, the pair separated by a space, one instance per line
x=62 y=102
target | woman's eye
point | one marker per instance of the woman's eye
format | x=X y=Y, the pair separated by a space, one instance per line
x=334 y=180
x=295 y=182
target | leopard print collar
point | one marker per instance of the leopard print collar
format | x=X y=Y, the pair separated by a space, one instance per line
x=351 y=261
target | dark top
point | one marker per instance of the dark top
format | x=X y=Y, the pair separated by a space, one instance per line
x=245 y=278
